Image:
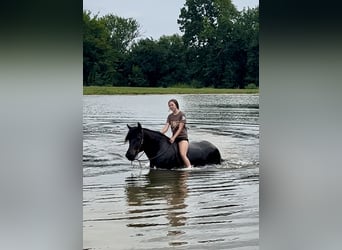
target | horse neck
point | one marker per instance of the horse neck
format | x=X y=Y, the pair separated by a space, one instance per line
x=153 y=142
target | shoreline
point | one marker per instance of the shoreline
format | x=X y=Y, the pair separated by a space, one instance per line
x=100 y=90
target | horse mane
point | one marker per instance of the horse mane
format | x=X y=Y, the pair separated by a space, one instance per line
x=157 y=133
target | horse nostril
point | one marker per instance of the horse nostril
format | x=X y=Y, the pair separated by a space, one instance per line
x=129 y=156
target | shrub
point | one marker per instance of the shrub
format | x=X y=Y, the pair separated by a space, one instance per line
x=251 y=86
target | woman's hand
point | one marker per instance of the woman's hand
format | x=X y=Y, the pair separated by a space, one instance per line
x=172 y=140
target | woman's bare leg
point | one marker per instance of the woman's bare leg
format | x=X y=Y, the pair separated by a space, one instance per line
x=183 y=150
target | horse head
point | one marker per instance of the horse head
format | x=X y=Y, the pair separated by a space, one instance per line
x=135 y=137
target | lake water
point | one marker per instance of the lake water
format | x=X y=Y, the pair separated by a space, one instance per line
x=128 y=206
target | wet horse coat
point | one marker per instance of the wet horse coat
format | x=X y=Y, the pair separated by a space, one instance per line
x=163 y=154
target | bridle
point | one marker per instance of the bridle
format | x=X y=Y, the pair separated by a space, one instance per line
x=152 y=158
x=140 y=145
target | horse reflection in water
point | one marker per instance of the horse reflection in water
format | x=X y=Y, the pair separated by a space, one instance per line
x=163 y=154
x=147 y=196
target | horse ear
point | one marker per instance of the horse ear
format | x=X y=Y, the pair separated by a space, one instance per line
x=129 y=127
x=139 y=125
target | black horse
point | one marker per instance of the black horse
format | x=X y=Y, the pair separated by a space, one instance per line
x=163 y=154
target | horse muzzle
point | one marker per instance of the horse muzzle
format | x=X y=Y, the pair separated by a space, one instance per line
x=130 y=156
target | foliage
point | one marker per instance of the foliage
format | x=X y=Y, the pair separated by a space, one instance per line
x=251 y=86
x=105 y=41
x=122 y=31
x=222 y=42
x=97 y=53
x=219 y=48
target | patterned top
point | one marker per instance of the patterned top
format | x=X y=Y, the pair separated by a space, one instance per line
x=174 y=121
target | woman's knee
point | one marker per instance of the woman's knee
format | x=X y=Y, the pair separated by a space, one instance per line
x=183 y=154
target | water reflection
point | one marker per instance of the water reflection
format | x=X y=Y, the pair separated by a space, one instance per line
x=158 y=193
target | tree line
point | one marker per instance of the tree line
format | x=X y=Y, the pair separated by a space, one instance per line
x=219 y=48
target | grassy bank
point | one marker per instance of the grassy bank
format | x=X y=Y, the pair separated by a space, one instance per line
x=97 y=90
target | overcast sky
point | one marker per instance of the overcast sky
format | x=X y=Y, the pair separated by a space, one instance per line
x=156 y=17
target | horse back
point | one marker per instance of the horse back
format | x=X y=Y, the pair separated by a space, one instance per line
x=203 y=152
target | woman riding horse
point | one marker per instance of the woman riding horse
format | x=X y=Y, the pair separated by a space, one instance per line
x=176 y=120
x=164 y=154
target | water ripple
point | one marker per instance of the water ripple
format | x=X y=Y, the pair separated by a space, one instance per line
x=132 y=207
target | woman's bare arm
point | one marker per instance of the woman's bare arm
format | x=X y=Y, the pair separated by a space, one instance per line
x=165 y=128
x=180 y=127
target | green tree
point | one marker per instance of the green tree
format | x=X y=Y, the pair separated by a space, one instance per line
x=136 y=78
x=145 y=54
x=207 y=25
x=244 y=48
x=106 y=42
x=219 y=48
x=222 y=43
x=98 y=64
x=173 y=67
x=160 y=62
x=250 y=26
x=122 y=31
